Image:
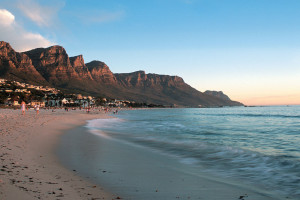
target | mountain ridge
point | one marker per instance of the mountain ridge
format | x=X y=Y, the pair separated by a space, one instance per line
x=52 y=66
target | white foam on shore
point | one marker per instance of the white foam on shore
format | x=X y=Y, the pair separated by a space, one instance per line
x=99 y=133
x=102 y=123
x=94 y=126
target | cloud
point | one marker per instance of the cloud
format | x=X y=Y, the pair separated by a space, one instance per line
x=6 y=18
x=19 y=38
x=42 y=15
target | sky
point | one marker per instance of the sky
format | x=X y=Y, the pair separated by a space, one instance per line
x=249 y=49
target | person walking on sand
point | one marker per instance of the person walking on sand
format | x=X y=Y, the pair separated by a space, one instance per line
x=37 y=109
x=23 y=107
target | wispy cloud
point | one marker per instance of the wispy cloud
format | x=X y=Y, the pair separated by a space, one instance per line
x=42 y=15
x=17 y=36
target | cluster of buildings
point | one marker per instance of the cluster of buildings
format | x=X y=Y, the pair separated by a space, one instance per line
x=52 y=97
x=24 y=87
x=74 y=100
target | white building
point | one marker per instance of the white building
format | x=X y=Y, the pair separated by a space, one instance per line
x=64 y=101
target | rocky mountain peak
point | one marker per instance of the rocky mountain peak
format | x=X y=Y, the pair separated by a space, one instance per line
x=56 y=48
x=142 y=80
x=17 y=66
x=6 y=50
x=2 y=43
x=218 y=94
x=8 y=53
x=53 y=63
x=96 y=64
x=78 y=64
x=142 y=72
x=101 y=72
x=5 y=45
x=177 y=79
x=77 y=61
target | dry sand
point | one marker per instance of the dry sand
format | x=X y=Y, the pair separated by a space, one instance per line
x=29 y=168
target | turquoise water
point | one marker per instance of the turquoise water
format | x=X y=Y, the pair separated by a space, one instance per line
x=259 y=145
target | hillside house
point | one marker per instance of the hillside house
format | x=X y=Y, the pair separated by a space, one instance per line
x=12 y=102
x=34 y=103
x=53 y=103
x=64 y=101
x=22 y=91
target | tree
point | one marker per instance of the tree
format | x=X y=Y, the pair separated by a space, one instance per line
x=3 y=97
x=100 y=101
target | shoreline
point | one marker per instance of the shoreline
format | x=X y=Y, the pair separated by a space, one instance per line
x=29 y=167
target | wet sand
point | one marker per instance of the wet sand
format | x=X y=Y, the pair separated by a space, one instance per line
x=29 y=168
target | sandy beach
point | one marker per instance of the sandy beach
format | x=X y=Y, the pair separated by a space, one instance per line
x=29 y=168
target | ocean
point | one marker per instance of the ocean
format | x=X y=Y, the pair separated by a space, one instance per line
x=137 y=151
x=256 y=145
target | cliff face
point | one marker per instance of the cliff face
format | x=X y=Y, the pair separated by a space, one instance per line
x=142 y=80
x=78 y=64
x=53 y=63
x=101 y=73
x=218 y=94
x=52 y=66
x=17 y=66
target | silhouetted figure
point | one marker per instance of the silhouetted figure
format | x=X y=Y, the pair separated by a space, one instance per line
x=23 y=107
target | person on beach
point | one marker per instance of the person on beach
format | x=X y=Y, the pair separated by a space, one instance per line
x=37 y=109
x=23 y=107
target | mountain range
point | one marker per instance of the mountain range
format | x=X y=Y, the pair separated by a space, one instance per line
x=53 y=67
